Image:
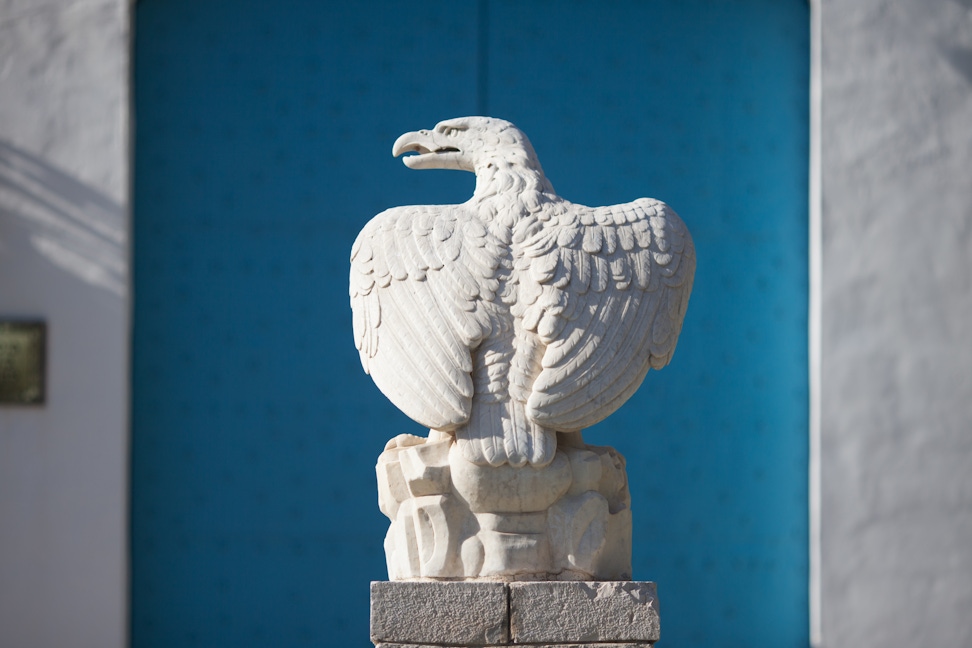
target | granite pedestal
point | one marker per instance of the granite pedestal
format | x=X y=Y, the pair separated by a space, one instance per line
x=549 y=614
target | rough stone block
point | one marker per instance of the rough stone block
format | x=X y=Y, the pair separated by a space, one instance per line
x=599 y=645
x=564 y=612
x=439 y=613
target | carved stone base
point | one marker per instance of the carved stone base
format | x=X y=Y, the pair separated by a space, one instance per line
x=569 y=520
x=545 y=613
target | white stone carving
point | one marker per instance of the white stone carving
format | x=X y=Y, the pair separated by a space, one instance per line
x=506 y=325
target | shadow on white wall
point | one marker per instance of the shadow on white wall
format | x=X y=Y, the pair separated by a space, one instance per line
x=75 y=227
x=63 y=465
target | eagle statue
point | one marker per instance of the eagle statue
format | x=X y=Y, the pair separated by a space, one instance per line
x=516 y=315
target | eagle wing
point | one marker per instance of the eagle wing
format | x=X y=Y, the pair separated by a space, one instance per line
x=606 y=290
x=419 y=276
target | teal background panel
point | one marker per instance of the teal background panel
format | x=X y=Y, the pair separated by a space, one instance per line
x=263 y=146
x=704 y=105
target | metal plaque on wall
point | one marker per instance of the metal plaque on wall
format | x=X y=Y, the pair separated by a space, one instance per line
x=22 y=362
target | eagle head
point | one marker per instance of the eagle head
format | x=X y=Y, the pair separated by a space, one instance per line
x=467 y=144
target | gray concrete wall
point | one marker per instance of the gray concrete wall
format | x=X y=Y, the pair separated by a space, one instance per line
x=64 y=175
x=896 y=154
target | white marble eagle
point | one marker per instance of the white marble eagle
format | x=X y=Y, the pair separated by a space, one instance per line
x=517 y=314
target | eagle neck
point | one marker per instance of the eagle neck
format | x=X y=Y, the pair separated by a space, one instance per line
x=501 y=180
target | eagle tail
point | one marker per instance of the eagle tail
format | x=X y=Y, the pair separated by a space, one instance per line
x=500 y=432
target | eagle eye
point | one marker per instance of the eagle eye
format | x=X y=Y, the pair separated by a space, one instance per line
x=450 y=131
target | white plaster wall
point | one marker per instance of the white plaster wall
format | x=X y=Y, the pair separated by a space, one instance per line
x=896 y=153
x=64 y=175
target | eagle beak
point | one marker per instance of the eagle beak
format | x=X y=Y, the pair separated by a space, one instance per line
x=431 y=153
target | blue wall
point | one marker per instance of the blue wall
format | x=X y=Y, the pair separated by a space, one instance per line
x=262 y=147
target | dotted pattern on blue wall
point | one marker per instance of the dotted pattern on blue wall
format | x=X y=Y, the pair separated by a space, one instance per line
x=262 y=147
